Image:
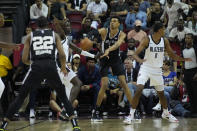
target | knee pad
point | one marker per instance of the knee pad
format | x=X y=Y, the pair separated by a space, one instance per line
x=159 y=88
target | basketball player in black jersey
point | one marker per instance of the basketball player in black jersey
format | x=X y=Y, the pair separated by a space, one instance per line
x=40 y=46
x=112 y=38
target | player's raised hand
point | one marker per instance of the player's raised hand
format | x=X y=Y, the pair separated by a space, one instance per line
x=105 y=54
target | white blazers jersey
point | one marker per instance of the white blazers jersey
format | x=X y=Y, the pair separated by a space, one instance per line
x=154 y=54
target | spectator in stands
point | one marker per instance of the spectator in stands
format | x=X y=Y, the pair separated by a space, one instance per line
x=38 y=9
x=137 y=33
x=172 y=12
x=75 y=63
x=90 y=77
x=190 y=75
x=86 y=28
x=179 y=99
x=144 y=5
x=77 y=5
x=97 y=8
x=177 y=34
x=27 y=31
x=192 y=25
x=154 y=13
x=119 y=8
x=57 y=9
x=135 y=14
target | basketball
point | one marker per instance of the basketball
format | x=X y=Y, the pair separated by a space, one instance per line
x=86 y=44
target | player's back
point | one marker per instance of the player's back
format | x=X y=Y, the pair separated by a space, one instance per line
x=154 y=53
x=43 y=45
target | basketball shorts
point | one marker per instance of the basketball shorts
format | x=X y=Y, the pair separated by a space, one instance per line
x=116 y=66
x=66 y=79
x=2 y=87
x=154 y=74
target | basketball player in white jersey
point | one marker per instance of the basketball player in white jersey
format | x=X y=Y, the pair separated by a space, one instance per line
x=155 y=46
x=71 y=81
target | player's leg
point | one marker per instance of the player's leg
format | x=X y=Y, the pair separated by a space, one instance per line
x=55 y=82
x=104 y=84
x=2 y=86
x=32 y=80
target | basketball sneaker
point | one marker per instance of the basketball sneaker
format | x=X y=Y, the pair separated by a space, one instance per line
x=128 y=119
x=63 y=115
x=76 y=128
x=96 y=117
x=157 y=107
x=1 y=129
x=168 y=116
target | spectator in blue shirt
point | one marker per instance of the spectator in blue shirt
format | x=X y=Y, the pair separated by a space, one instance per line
x=90 y=77
x=135 y=14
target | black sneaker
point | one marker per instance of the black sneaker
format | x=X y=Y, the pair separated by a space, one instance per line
x=96 y=117
x=63 y=116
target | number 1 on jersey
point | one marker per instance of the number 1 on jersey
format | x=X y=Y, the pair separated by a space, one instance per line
x=156 y=55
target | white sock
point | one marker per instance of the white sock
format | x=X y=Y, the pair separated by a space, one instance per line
x=165 y=111
x=132 y=111
x=85 y=53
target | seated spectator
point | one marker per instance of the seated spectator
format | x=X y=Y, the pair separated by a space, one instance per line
x=38 y=9
x=154 y=14
x=57 y=9
x=90 y=78
x=137 y=33
x=192 y=25
x=179 y=100
x=98 y=9
x=77 y=5
x=119 y=8
x=75 y=63
x=135 y=14
x=144 y=5
x=173 y=11
x=177 y=34
x=27 y=31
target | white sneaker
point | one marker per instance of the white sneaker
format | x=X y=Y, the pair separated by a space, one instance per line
x=169 y=117
x=128 y=119
x=32 y=113
x=157 y=107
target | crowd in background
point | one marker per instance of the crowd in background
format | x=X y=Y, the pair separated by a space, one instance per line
x=85 y=17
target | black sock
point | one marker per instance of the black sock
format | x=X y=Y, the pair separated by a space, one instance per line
x=4 y=124
x=74 y=122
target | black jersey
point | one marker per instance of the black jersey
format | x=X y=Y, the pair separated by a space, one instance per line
x=109 y=42
x=43 y=45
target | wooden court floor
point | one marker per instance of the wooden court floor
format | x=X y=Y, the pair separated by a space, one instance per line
x=147 y=124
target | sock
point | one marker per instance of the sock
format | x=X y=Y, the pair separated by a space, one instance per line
x=4 y=124
x=132 y=111
x=165 y=111
x=74 y=122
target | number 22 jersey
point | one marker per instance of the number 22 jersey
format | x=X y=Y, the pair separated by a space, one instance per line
x=42 y=45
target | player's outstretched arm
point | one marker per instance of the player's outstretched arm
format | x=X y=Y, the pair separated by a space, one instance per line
x=9 y=45
x=172 y=54
x=25 y=56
